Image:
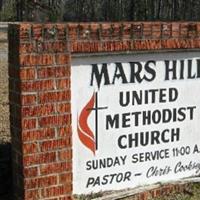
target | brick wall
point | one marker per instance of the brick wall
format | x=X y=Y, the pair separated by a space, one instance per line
x=39 y=72
x=39 y=92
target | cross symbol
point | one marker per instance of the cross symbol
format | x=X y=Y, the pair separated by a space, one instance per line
x=96 y=109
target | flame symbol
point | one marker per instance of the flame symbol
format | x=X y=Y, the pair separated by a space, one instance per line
x=84 y=132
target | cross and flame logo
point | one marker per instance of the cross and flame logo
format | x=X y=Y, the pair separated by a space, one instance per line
x=86 y=135
x=84 y=132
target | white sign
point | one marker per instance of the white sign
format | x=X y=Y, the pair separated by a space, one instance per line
x=136 y=120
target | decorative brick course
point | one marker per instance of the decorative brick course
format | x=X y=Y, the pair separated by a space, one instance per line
x=39 y=93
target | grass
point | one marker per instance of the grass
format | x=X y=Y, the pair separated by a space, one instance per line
x=191 y=192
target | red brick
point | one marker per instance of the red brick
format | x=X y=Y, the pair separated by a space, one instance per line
x=29 y=148
x=40 y=110
x=61 y=31
x=63 y=59
x=72 y=28
x=143 y=196
x=54 y=96
x=56 y=191
x=41 y=46
x=24 y=31
x=65 y=178
x=37 y=59
x=63 y=83
x=53 y=145
x=28 y=123
x=37 y=31
x=56 y=46
x=30 y=172
x=28 y=99
x=83 y=31
x=112 y=46
x=47 y=133
x=37 y=85
x=31 y=194
x=40 y=182
x=26 y=48
x=27 y=74
x=53 y=72
x=65 y=131
x=106 y=31
x=58 y=120
x=65 y=155
x=39 y=158
x=55 y=168
x=64 y=108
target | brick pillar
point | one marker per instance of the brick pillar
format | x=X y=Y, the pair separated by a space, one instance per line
x=39 y=85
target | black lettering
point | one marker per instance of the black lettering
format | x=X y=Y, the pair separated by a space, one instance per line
x=198 y=68
x=112 y=122
x=112 y=177
x=144 y=138
x=156 y=116
x=127 y=176
x=182 y=69
x=122 y=146
x=105 y=180
x=191 y=110
x=136 y=117
x=132 y=139
x=119 y=73
x=163 y=136
x=150 y=70
x=169 y=70
x=162 y=96
x=124 y=99
x=136 y=72
x=136 y=97
x=99 y=75
x=167 y=115
x=126 y=120
x=134 y=158
x=173 y=94
x=153 y=95
x=88 y=164
x=90 y=181
x=146 y=117
x=155 y=137
x=175 y=134
x=182 y=114
x=190 y=76
x=119 y=178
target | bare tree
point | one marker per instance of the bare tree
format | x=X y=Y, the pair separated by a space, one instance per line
x=104 y=10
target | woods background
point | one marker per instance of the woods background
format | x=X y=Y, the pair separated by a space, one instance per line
x=99 y=10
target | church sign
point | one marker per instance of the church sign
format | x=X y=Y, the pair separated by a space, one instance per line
x=135 y=120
